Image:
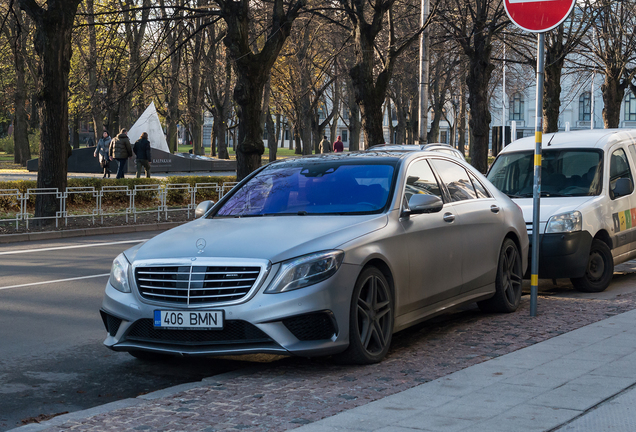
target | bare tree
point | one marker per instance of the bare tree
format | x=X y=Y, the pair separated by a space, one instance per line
x=252 y=69
x=54 y=25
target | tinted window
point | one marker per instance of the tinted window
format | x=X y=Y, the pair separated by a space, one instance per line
x=421 y=180
x=479 y=188
x=456 y=180
x=312 y=188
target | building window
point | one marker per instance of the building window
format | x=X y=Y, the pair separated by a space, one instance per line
x=443 y=137
x=345 y=114
x=585 y=107
x=344 y=134
x=630 y=107
x=516 y=107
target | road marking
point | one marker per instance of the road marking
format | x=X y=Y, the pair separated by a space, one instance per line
x=71 y=247
x=55 y=281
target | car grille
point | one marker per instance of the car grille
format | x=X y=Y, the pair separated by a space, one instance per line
x=111 y=323
x=315 y=326
x=233 y=332
x=195 y=284
x=529 y=228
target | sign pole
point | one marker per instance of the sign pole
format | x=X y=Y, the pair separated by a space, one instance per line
x=536 y=191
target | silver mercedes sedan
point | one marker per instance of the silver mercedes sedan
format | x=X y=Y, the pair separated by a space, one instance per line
x=321 y=255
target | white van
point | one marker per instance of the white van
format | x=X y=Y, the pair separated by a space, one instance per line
x=588 y=204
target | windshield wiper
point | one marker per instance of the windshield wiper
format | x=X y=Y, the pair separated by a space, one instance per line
x=544 y=194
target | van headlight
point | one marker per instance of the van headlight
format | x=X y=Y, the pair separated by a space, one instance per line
x=119 y=274
x=305 y=270
x=565 y=222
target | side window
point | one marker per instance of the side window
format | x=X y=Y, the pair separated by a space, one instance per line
x=619 y=168
x=482 y=192
x=456 y=180
x=421 y=180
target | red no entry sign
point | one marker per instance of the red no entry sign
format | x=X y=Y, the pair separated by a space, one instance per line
x=538 y=15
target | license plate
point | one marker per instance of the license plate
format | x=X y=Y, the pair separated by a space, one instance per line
x=200 y=320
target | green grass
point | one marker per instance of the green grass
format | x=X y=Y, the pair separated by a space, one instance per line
x=281 y=152
x=6 y=157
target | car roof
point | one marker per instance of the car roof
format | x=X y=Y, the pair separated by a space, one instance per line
x=589 y=138
x=377 y=156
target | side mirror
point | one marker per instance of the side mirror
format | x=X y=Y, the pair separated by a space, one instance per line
x=203 y=208
x=623 y=187
x=421 y=203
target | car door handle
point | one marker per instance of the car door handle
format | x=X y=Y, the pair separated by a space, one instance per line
x=494 y=209
x=449 y=217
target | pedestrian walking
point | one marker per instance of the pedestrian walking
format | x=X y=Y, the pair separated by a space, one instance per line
x=325 y=145
x=338 y=146
x=102 y=151
x=142 y=151
x=121 y=150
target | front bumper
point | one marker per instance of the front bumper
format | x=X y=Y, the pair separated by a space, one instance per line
x=562 y=255
x=306 y=322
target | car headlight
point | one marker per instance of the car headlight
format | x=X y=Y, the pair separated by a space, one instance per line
x=305 y=270
x=565 y=222
x=119 y=274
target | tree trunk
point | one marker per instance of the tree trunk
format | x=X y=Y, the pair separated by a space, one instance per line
x=272 y=137
x=555 y=58
x=613 y=92
x=461 y=129
x=75 y=132
x=22 y=152
x=53 y=45
x=478 y=78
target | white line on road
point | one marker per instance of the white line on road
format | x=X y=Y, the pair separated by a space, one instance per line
x=71 y=247
x=55 y=281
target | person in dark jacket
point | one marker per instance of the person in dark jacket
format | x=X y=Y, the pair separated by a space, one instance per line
x=121 y=150
x=142 y=151
x=102 y=151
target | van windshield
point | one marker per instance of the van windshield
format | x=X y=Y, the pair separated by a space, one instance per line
x=571 y=172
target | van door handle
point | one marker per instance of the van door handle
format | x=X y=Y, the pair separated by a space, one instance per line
x=494 y=209
x=449 y=217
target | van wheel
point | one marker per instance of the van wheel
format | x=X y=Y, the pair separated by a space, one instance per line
x=370 y=320
x=599 y=271
x=508 y=282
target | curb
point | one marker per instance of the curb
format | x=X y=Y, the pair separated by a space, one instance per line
x=214 y=380
x=48 y=235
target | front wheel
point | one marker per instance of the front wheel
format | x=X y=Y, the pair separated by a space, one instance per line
x=370 y=320
x=599 y=270
x=508 y=281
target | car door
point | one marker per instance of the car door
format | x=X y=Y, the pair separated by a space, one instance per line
x=622 y=208
x=433 y=241
x=481 y=223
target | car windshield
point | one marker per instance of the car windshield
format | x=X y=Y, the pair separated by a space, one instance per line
x=312 y=187
x=573 y=172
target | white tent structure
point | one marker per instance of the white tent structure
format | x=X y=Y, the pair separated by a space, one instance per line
x=149 y=122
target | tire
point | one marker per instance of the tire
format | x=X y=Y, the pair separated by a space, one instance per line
x=370 y=319
x=599 y=270
x=508 y=281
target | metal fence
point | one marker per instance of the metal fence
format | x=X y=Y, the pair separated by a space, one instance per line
x=94 y=208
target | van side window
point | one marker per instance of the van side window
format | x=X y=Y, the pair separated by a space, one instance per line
x=619 y=168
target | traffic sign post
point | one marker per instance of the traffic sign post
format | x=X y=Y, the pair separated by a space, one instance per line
x=537 y=16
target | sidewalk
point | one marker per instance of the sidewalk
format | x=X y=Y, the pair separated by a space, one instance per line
x=580 y=381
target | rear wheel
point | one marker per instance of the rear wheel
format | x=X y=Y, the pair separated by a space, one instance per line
x=370 y=320
x=508 y=281
x=599 y=271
